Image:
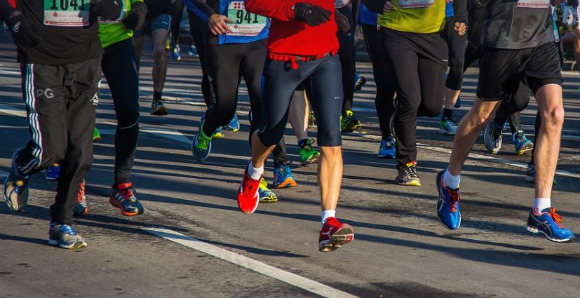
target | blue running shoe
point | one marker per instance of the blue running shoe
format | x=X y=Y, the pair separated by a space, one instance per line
x=458 y=103
x=65 y=236
x=219 y=133
x=521 y=143
x=387 y=148
x=548 y=223
x=52 y=173
x=283 y=177
x=448 y=205
x=234 y=125
x=201 y=144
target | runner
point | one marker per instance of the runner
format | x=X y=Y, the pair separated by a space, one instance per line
x=412 y=38
x=456 y=44
x=382 y=72
x=512 y=54
x=302 y=47
x=60 y=55
x=157 y=25
x=234 y=52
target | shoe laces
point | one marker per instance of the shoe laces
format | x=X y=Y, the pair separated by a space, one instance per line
x=81 y=193
x=203 y=141
x=556 y=217
x=127 y=192
x=453 y=199
x=307 y=146
x=410 y=169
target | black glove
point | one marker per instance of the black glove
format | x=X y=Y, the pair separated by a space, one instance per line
x=136 y=17
x=107 y=9
x=21 y=33
x=342 y=22
x=311 y=14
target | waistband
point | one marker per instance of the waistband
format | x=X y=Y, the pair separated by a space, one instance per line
x=294 y=59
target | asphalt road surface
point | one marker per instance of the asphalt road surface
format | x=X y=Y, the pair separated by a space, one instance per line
x=193 y=242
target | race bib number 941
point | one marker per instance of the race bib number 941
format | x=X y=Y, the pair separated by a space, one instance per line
x=245 y=23
x=534 y=3
x=66 y=13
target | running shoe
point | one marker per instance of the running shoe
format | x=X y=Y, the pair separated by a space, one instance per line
x=123 y=197
x=52 y=173
x=458 y=103
x=248 y=194
x=176 y=53
x=266 y=195
x=234 y=125
x=201 y=144
x=96 y=135
x=492 y=137
x=359 y=81
x=307 y=153
x=158 y=108
x=16 y=187
x=334 y=234
x=193 y=51
x=65 y=236
x=348 y=122
x=283 y=177
x=387 y=148
x=447 y=127
x=408 y=174
x=81 y=207
x=547 y=222
x=219 y=133
x=521 y=143
x=448 y=204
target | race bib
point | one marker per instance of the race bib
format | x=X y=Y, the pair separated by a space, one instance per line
x=245 y=23
x=66 y=13
x=534 y=3
x=415 y=3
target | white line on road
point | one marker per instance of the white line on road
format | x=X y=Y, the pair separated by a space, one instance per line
x=248 y=263
x=12 y=111
x=4 y=174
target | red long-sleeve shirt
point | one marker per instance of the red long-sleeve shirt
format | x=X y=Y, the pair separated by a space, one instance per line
x=290 y=37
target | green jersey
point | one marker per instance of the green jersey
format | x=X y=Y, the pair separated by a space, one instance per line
x=113 y=31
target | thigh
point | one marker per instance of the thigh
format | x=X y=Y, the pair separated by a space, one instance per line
x=160 y=26
x=499 y=71
x=252 y=66
x=120 y=69
x=543 y=67
x=224 y=71
x=324 y=88
x=405 y=62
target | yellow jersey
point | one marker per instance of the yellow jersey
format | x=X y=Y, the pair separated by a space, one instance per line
x=415 y=16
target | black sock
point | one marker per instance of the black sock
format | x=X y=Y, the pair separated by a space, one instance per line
x=156 y=96
x=447 y=114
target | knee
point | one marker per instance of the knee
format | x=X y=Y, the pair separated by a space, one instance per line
x=430 y=109
x=553 y=118
x=159 y=51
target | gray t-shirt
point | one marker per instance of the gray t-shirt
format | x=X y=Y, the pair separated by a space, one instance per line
x=517 y=24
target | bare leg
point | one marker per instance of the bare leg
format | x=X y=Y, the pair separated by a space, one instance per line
x=330 y=176
x=551 y=107
x=159 y=59
x=467 y=132
x=298 y=114
x=451 y=97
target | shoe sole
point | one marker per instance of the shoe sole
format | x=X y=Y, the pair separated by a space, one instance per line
x=351 y=128
x=386 y=156
x=76 y=245
x=535 y=230
x=439 y=177
x=162 y=111
x=311 y=160
x=288 y=183
x=11 y=199
x=410 y=183
x=525 y=148
x=116 y=204
x=341 y=237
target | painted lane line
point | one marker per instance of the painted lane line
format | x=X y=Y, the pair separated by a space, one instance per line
x=168 y=134
x=248 y=263
x=4 y=174
x=6 y=109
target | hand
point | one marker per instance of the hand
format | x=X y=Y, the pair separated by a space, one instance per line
x=342 y=22
x=311 y=14
x=569 y=16
x=388 y=6
x=460 y=28
x=136 y=17
x=23 y=36
x=218 y=24
x=107 y=9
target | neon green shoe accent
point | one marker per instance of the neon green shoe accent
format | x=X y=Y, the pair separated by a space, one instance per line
x=96 y=135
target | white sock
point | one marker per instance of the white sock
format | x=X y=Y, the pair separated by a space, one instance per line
x=255 y=173
x=450 y=180
x=326 y=214
x=542 y=203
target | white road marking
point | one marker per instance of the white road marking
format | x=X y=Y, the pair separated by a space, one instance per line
x=6 y=109
x=248 y=263
x=4 y=174
x=168 y=134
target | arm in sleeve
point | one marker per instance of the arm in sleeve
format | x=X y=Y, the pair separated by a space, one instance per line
x=375 y=6
x=199 y=8
x=5 y=10
x=280 y=10
x=460 y=9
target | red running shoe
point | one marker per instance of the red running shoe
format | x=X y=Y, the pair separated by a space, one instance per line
x=248 y=196
x=334 y=234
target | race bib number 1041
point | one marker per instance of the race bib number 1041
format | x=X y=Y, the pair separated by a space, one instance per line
x=66 y=13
